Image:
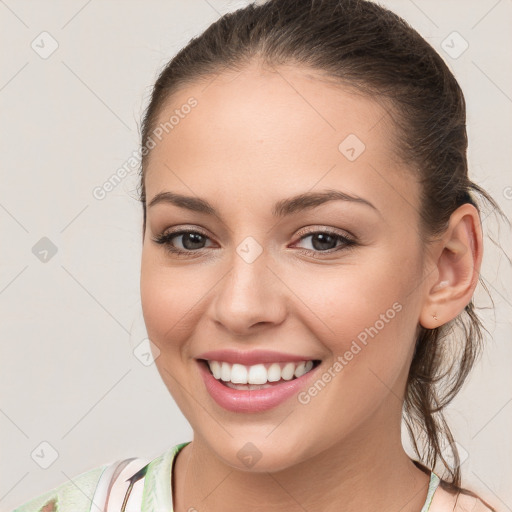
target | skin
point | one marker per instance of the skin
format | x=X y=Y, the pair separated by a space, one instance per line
x=252 y=140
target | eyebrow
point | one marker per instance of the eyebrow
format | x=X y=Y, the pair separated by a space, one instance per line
x=282 y=208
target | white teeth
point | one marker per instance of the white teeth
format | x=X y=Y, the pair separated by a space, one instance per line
x=238 y=376
x=274 y=372
x=288 y=371
x=300 y=370
x=216 y=369
x=247 y=386
x=257 y=374
x=225 y=372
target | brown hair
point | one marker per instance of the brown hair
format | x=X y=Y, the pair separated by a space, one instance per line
x=360 y=44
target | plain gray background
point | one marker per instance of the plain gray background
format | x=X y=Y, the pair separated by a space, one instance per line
x=70 y=321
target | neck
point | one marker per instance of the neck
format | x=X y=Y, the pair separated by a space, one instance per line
x=368 y=470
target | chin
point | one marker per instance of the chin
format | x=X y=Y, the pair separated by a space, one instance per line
x=260 y=455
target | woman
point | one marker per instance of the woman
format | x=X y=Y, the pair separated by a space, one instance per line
x=311 y=246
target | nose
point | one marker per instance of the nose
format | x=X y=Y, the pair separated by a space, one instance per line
x=250 y=297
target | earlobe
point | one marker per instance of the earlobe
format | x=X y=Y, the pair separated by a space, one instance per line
x=459 y=257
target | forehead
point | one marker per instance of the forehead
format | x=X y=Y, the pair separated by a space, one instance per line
x=275 y=130
x=257 y=104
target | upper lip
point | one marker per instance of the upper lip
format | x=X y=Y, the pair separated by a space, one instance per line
x=251 y=357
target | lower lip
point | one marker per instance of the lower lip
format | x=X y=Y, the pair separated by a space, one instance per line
x=254 y=400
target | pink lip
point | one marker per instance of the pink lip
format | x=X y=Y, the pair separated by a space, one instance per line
x=252 y=401
x=252 y=357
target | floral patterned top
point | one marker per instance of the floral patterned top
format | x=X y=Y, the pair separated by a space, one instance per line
x=147 y=489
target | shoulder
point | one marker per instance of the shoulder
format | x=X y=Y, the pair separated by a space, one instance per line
x=71 y=496
x=449 y=501
x=109 y=482
x=468 y=503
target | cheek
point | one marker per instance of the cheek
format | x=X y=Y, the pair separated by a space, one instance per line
x=365 y=317
x=169 y=300
x=364 y=310
x=353 y=297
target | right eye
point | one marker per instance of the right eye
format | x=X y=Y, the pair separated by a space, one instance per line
x=191 y=241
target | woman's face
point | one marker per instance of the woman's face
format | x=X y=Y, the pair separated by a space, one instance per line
x=260 y=282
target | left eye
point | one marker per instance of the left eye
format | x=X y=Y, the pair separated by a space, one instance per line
x=324 y=240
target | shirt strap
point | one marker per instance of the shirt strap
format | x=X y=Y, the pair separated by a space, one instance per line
x=432 y=486
x=116 y=483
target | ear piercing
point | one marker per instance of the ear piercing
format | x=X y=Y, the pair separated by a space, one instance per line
x=439 y=286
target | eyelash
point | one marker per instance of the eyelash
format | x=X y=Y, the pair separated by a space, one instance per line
x=166 y=238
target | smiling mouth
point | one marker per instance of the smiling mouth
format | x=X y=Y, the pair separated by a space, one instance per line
x=258 y=376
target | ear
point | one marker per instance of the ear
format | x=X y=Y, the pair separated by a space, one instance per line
x=456 y=268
